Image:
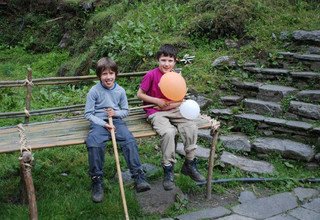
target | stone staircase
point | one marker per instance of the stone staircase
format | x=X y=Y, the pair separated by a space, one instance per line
x=279 y=105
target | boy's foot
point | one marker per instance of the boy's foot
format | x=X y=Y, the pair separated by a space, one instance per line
x=189 y=168
x=141 y=184
x=97 y=189
x=168 y=179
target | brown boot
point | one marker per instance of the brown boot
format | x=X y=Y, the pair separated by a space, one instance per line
x=189 y=168
x=168 y=179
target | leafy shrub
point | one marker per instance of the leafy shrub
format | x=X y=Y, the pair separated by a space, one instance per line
x=228 y=19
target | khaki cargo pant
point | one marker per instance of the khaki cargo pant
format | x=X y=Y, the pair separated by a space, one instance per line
x=167 y=124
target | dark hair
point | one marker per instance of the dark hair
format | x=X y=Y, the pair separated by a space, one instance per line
x=167 y=50
x=106 y=64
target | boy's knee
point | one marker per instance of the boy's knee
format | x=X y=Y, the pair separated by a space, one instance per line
x=170 y=132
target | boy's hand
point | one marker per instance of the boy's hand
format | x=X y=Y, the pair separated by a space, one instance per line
x=162 y=103
x=110 y=112
x=109 y=127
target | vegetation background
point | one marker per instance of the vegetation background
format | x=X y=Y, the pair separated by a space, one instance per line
x=66 y=37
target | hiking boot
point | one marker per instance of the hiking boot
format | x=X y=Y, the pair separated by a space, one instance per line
x=97 y=189
x=168 y=178
x=189 y=168
x=141 y=184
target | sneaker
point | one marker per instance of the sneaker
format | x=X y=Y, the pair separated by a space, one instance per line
x=97 y=189
x=189 y=168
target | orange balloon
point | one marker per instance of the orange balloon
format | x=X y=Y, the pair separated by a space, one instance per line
x=173 y=86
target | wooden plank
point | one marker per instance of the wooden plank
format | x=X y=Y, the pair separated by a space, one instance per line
x=70 y=132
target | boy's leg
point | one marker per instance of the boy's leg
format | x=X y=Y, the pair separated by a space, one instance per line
x=188 y=130
x=130 y=151
x=96 y=140
x=167 y=132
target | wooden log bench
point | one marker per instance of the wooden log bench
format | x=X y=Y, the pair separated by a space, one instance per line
x=72 y=131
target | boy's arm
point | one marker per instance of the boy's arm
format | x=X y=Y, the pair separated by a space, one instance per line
x=124 y=106
x=90 y=110
x=153 y=100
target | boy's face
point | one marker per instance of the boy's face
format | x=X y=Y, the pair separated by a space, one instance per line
x=166 y=63
x=108 y=78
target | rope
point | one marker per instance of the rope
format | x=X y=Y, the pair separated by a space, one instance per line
x=27 y=112
x=23 y=143
x=27 y=82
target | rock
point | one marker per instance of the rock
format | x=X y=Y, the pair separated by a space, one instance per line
x=312 y=166
x=200 y=151
x=246 y=164
x=302 y=213
x=157 y=200
x=313 y=205
x=305 y=193
x=313 y=36
x=236 y=142
x=287 y=148
x=268 y=206
x=210 y=213
x=246 y=196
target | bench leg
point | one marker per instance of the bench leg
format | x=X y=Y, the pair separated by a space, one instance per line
x=25 y=165
x=214 y=134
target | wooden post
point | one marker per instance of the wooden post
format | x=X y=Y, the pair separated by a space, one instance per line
x=214 y=135
x=28 y=95
x=25 y=166
x=116 y=156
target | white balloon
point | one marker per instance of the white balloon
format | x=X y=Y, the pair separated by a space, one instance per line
x=190 y=109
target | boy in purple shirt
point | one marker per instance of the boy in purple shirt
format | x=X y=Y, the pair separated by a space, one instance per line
x=166 y=119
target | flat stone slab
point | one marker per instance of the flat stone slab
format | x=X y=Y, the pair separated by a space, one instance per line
x=282 y=217
x=236 y=142
x=231 y=100
x=306 y=110
x=205 y=214
x=307 y=57
x=235 y=217
x=314 y=205
x=263 y=107
x=252 y=86
x=305 y=75
x=313 y=95
x=246 y=196
x=305 y=193
x=200 y=151
x=267 y=207
x=221 y=112
x=157 y=200
x=246 y=164
x=275 y=93
x=305 y=214
x=268 y=71
x=287 y=148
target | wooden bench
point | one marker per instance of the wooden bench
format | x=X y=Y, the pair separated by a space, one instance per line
x=73 y=131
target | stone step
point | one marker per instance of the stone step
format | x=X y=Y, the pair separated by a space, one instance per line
x=270 y=126
x=275 y=93
x=303 y=57
x=246 y=164
x=309 y=95
x=263 y=107
x=231 y=100
x=305 y=110
x=286 y=148
x=304 y=78
x=263 y=91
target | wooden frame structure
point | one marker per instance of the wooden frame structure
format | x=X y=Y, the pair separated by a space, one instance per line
x=73 y=131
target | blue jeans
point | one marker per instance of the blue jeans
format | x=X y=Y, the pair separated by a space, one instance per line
x=96 y=145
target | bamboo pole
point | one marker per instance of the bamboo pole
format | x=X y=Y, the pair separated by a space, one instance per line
x=28 y=95
x=214 y=135
x=25 y=165
x=116 y=155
